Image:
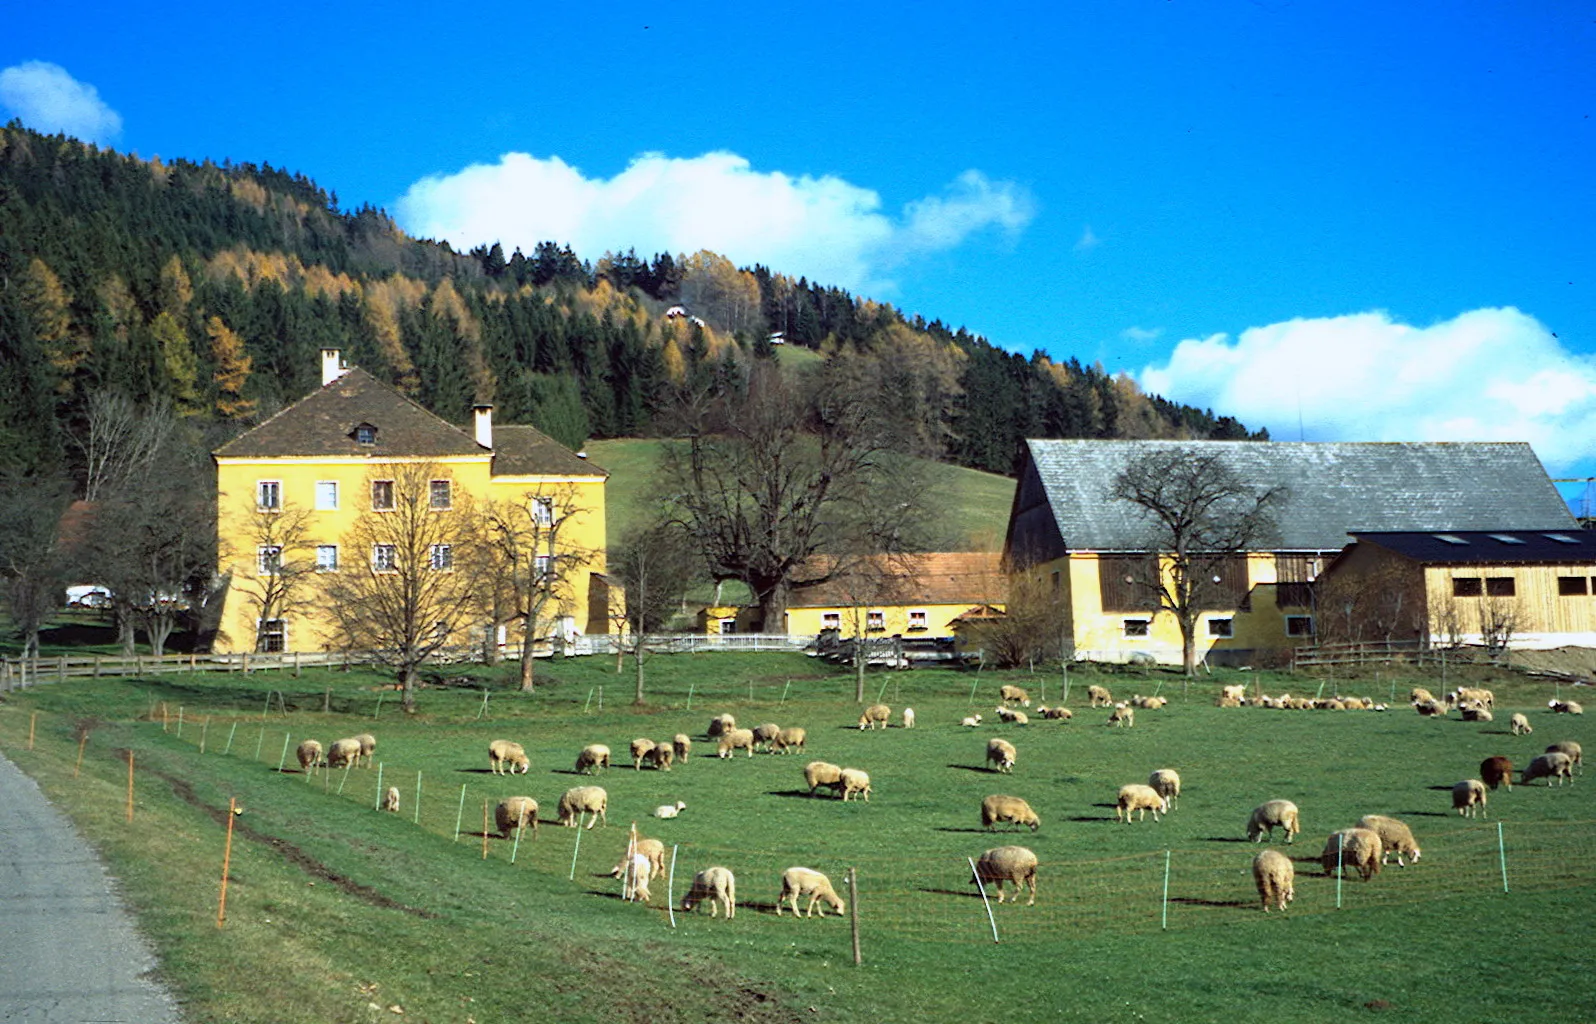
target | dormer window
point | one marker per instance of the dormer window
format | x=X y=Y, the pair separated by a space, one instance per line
x=365 y=434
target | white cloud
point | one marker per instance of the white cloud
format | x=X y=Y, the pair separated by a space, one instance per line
x=47 y=99
x=1485 y=375
x=1134 y=333
x=825 y=228
x=1088 y=240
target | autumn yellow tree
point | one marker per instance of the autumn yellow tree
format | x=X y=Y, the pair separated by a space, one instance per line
x=177 y=357
x=48 y=306
x=232 y=371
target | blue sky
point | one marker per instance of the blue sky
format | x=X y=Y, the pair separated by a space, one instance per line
x=1356 y=221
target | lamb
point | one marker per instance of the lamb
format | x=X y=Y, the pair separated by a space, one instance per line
x=908 y=718
x=822 y=773
x=1007 y=864
x=390 y=800
x=1468 y=797
x=1237 y=693
x=1001 y=753
x=1123 y=715
x=641 y=748
x=1275 y=877
x=1565 y=707
x=592 y=757
x=1494 y=771
x=765 y=735
x=970 y=721
x=735 y=740
x=1055 y=713
x=1556 y=765
x=1475 y=712
x=1520 y=725
x=682 y=744
x=581 y=800
x=661 y=756
x=1166 y=782
x=309 y=754
x=1100 y=696
x=1013 y=695
x=368 y=746
x=343 y=753
x=855 y=783
x=670 y=810
x=1137 y=797
x=1430 y=709
x=506 y=758
x=797 y=882
x=1012 y=716
x=515 y=812
x=792 y=738
x=1395 y=838
x=998 y=808
x=651 y=850
x=1271 y=814
x=1573 y=750
x=875 y=715
x=642 y=873
x=720 y=724
x=1355 y=848
x=718 y=886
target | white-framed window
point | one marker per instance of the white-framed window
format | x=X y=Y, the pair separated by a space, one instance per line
x=1138 y=627
x=384 y=557
x=543 y=511
x=365 y=433
x=440 y=494
x=326 y=495
x=269 y=495
x=1222 y=628
x=830 y=620
x=1299 y=625
x=382 y=495
x=440 y=558
x=917 y=619
x=542 y=565
x=875 y=620
x=273 y=637
x=728 y=626
x=326 y=558
x=269 y=559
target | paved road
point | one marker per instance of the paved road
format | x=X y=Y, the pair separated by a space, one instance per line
x=69 y=953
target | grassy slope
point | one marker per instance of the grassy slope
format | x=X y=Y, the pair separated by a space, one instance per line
x=485 y=939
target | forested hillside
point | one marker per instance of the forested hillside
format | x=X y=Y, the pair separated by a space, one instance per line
x=208 y=289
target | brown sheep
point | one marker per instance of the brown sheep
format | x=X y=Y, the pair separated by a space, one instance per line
x=1353 y=848
x=515 y=812
x=1275 y=877
x=876 y=715
x=998 y=808
x=1495 y=771
x=1007 y=864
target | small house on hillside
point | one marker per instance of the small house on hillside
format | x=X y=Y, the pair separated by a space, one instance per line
x=1500 y=588
x=1067 y=530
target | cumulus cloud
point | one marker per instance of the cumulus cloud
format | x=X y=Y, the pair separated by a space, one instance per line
x=1485 y=375
x=48 y=99
x=1134 y=333
x=823 y=227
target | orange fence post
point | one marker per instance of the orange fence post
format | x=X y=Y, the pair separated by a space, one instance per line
x=79 y=766
x=227 y=857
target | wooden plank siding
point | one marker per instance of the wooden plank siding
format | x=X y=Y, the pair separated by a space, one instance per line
x=1537 y=597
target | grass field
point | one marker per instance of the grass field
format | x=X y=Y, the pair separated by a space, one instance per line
x=337 y=912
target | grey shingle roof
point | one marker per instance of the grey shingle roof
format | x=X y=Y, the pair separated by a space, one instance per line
x=527 y=451
x=1335 y=488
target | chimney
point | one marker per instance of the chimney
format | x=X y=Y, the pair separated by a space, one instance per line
x=332 y=365
x=484 y=424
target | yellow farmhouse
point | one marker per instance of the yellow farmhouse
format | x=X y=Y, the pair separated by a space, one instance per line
x=292 y=491
x=1069 y=533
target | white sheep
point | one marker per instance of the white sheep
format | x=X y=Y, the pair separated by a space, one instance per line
x=766 y=735
x=368 y=747
x=591 y=758
x=908 y=718
x=1013 y=695
x=1353 y=848
x=791 y=738
x=1430 y=709
x=506 y=758
x=1166 y=783
x=1055 y=713
x=343 y=753
x=1469 y=797
x=1123 y=715
x=1556 y=765
x=581 y=800
x=998 y=808
x=1237 y=693
x=718 y=886
x=970 y=721
x=876 y=715
x=682 y=745
x=1475 y=694
x=1012 y=716
x=797 y=882
x=855 y=783
x=720 y=724
x=1395 y=838
x=822 y=773
x=1148 y=703
x=1007 y=864
x=1001 y=753
x=1565 y=707
x=635 y=888
x=1137 y=797
x=1272 y=814
x=661 y=756
x=309 y=754
x=1099 y=696
x=670 y=810
x=1419 y=695
x=641 y=748
x=1275 y=877
x=1519 y=724
x=1573 y=750
x=734 y=740
x=515 y=812
x=390 y=800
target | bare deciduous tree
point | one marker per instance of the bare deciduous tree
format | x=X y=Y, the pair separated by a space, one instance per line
x=120 y=442
x=655 y=565
x=31 y=562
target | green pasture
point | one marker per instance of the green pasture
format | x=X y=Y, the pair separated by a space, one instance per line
x=337 y=912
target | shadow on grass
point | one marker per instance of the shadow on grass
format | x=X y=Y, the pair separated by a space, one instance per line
x=1439 y=789
x=1228 y=839
x=1424 y=814
x=799 y=793
x=1086 y=817
x=968 y=831
x=978 y=769
x=968 y=893
x=1193 y=901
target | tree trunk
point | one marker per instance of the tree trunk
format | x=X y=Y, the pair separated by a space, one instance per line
x=526 y=656
x=772 y=606
x=407 y=685
x=638 y=658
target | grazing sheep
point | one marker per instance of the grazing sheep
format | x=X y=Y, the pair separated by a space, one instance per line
x=1494 y=771
x=1353 y=848
x=822 y=773
x=1468 y=797
x=792 y=738
x=1475 y=712
x=309 y=754
x=1166 y=782
x=651 y=850
x=720 y=724
x=642 y=873
x=661 y=756
x=717 y=886
x=514 y=812
x=1520 y=725
x=1013 y=695
x=1137 y=797
x=682 y=744
x=1237 y=693
x=1275 y=877
x=797 y=882
x=1395 y=838
x=1565 y=707
x=735 y=740
x=1430 y=709
x=581 y=800
x=1001 y=753
x=641 y=748
x=1556 y=765
x=855 y=783
x=1123 y=715
x=1269 y=815
x=1099 y=695
x=908 y=718
x=670 y=810
x=592 y=757
x=1419 y=695
x=1008 y=864
x=998 y=808
x=1056 y=713
x=765 y=735
x=390 y=800
x=506 y=758
x=875 y=715
x=1573 y=750
x=343 y=753
x=368 y=746
x=970 y=721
